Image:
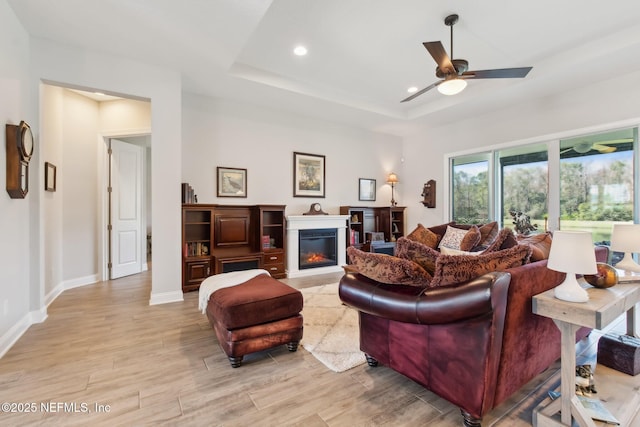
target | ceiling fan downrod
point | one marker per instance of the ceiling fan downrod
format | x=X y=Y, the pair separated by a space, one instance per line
x=450 y=21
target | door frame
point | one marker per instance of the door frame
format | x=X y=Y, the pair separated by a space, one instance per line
x=103 y=199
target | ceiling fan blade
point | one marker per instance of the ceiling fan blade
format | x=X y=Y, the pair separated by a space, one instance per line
x=603 y=148
x=615 y=141
x=440 y=56
x=500 y=73
x=420 y=92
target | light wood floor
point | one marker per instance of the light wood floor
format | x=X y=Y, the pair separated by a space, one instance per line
x=123 y=362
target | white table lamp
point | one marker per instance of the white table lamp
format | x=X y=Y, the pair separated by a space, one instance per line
x=626 y=238
x=572 y=252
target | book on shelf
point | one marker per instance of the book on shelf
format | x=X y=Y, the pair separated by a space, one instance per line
x=266 y=242
x=188 y=195
x=354 y=237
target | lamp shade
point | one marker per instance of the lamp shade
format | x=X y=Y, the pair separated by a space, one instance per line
x=625 y=238
x=392 y=178
x=572 y=252
x=452 y=86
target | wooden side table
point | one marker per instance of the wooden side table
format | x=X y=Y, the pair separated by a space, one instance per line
x=603 y=307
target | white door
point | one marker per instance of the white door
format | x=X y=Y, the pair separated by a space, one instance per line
x=126 y=209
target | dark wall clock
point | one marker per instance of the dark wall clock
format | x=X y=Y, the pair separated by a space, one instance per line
x=19 y=141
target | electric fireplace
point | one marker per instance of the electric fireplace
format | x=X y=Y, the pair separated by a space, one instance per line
x=317 y=248
x=298 y=225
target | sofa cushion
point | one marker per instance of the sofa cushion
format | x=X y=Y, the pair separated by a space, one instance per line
x=388 y=269
x=424 y=235
x=448 y=251
x=417 y=252
x=540 y=245
x=452 y=269
x=457 y=238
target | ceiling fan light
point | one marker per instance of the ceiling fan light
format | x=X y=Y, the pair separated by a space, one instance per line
x=582 y=147
x=452 y=86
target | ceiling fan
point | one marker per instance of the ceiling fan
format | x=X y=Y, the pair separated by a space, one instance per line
x=603 y=147
x=454 y=72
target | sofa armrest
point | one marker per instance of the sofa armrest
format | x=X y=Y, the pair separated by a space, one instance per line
x=410 y=304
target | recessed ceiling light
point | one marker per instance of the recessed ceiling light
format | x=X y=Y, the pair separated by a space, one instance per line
x=98 y=93
x=412 y=89
x=300 y=50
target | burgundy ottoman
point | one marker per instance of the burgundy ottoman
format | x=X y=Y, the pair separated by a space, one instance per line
x=256 y=315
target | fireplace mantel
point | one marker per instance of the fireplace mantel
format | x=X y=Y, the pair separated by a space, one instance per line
x=311 y=222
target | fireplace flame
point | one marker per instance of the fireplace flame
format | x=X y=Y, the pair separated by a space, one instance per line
x=316 y=257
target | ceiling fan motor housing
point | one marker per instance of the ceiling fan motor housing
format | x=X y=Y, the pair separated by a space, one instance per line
x=461 y=65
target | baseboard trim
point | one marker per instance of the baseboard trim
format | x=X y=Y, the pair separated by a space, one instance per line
x=165 y=297
x=55 y=293
x=80 y=281
x=16 y=331
x=69 y=284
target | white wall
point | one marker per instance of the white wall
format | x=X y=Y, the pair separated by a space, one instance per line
x=221 y=133
x=15 y=243
x=51 y=150
x=575 y=112
x=125 y=117
x=77 y=179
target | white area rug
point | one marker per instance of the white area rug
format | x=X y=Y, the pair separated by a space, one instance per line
x=331 y=329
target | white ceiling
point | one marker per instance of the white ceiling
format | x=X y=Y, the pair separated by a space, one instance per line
x=363 y=54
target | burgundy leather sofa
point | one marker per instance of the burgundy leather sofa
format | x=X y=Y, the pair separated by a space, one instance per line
x=473 y=344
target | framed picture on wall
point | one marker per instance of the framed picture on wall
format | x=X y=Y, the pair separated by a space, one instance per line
x=49 y=176
x=308 y=175
x=232 y=182
x=367 y=189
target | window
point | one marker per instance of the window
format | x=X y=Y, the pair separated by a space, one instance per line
x=596 y=182
x=524 y=182
x=589 y=184
x=470 y=189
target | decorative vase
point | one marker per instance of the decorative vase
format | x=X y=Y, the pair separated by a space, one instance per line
x=606 y=277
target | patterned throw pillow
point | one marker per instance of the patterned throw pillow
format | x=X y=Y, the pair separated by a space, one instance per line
x=464 y=240
x=488 y=233
x=452 y=269
x=440 y=229
x=505 y=240
x=540 y=245
x=423 y=235
x=417 y=252
x=388 y=269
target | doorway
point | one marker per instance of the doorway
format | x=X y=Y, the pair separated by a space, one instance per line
x=127 y=246
x=125 y=184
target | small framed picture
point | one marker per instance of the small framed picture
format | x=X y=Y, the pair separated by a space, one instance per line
x=367 y=189
x=49 y=176
x=308 y=175
x=232 y=182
